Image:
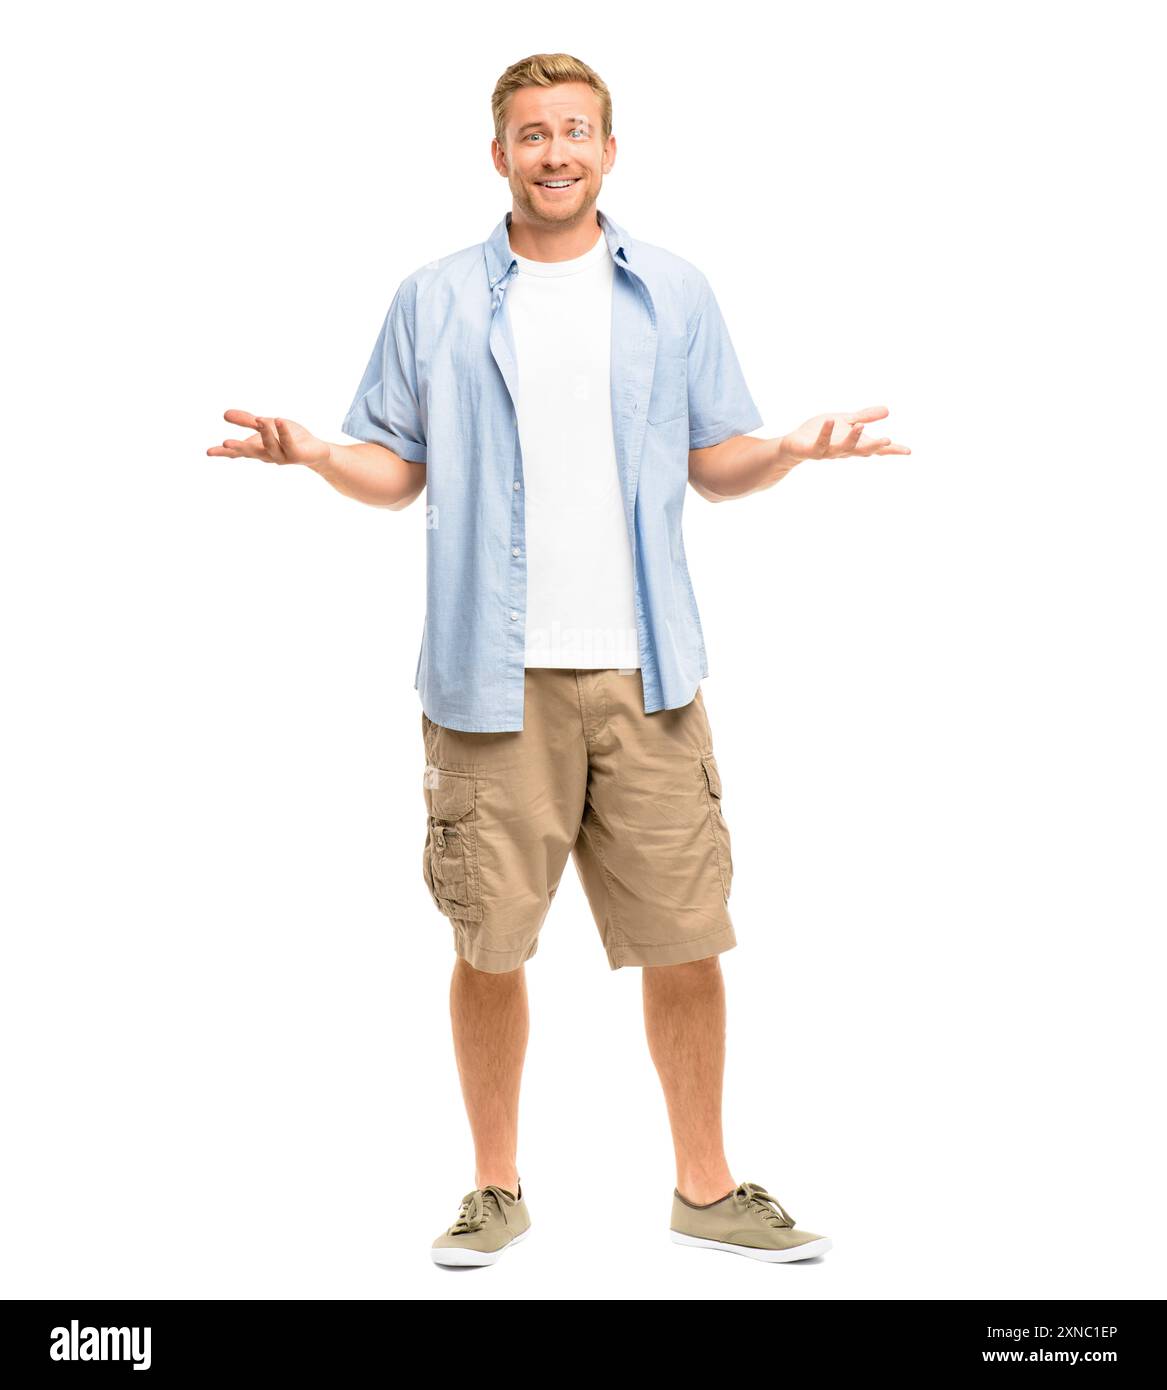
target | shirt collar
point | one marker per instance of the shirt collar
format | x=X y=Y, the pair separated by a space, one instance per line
x=500 y=257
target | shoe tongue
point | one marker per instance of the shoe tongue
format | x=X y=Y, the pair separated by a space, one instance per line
x=505 y=1191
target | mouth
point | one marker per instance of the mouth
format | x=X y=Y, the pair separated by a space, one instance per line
x=557 y=185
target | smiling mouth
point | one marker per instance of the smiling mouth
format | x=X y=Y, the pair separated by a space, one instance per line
x=557 y=185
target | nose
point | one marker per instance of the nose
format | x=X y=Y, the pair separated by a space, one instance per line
x=554 y=154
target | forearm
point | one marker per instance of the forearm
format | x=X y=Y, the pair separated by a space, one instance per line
x=739 y=466
x=371 y=473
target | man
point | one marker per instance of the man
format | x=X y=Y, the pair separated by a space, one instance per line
x=554 y=389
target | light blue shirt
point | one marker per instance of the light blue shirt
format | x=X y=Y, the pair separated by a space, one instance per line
x=440 y=389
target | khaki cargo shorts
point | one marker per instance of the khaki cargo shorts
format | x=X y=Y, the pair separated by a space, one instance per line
x=635 y=798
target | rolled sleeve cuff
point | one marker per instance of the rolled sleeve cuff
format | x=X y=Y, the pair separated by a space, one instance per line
x=358 y=426
x=718 y=434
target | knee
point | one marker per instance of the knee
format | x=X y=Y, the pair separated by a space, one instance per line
x=487 y=978
x=702 y=969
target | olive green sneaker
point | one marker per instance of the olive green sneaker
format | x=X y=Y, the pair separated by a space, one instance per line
x=746 y=1221
x=490 y=1220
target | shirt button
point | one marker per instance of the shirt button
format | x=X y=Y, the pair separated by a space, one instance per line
x=514 y=615
x=514 y=550
x=516 y=487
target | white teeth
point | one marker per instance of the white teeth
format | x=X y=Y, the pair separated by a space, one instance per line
x=559 y=183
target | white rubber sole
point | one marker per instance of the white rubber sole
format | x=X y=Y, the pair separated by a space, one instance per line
x=806 y=1251
x=464 y=1255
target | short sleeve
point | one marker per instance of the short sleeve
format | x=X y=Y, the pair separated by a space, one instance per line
x=386 y=408
x=720 y=404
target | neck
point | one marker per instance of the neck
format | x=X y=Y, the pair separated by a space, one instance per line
x=563 y=241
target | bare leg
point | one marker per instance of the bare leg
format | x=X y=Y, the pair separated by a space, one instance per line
x=684 y=1019
x=490 y=1021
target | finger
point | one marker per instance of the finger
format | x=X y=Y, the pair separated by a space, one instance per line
x=867 y=414
x=284 y=434
x=251 y=447
x=847 y=445
x=874 y=447
x=271 y=441
x=240 y=417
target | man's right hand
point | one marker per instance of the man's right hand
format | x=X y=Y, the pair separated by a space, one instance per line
x=275 y=440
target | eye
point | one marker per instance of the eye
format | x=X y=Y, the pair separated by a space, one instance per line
x=581 y=130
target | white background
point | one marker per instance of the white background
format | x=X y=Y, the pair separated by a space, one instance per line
x=936 y=690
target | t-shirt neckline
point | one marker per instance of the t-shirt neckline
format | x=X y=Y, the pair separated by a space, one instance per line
x=574 y=266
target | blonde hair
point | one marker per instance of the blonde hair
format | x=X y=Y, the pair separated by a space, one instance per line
x=546 y=70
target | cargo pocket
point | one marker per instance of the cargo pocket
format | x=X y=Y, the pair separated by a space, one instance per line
x=717 y=821
x=450 y=859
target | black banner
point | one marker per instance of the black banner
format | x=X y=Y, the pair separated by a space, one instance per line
x=186 y=1341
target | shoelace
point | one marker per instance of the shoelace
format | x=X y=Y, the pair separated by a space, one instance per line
x=753 y=1196
x=475 y=1211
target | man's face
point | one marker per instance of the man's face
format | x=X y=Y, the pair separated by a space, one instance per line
x=553 y=136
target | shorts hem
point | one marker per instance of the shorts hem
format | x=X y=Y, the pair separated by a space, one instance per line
x=674 y=952
x=488 y=960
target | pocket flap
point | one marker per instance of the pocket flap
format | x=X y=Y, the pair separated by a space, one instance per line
x=451 y=794
x=712 y=776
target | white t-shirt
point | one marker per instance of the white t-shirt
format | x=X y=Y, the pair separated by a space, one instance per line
x=581 y=608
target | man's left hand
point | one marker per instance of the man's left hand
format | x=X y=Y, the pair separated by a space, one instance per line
x=838 y=436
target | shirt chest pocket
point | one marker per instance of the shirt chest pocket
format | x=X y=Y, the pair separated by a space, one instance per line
x=670 y=388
